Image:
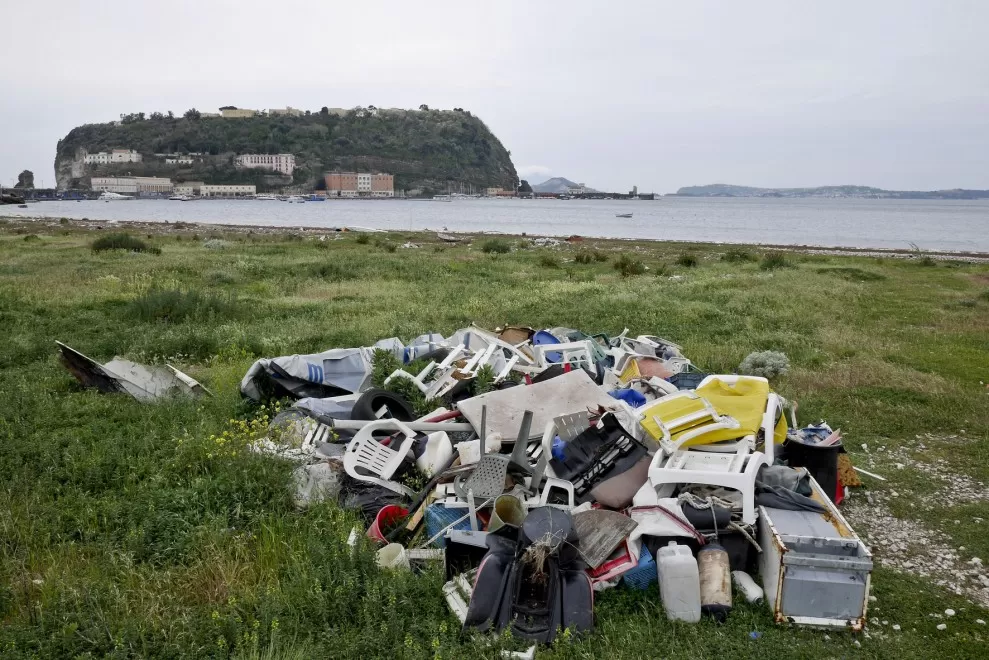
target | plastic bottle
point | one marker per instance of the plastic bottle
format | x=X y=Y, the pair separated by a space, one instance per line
x=750 y=590
x=715 y=581
x=679 y=583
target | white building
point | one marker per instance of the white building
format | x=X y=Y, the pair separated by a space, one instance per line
x=289 y=111
x=227 y=191
x=131 y=184
x=284 y=163
x=188 y=188
x=115 y=156
x=179 y=160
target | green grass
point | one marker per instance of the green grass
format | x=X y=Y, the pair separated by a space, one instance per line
x=141 y=530
x=775 y=261
x=687 y=260
x=496 y=246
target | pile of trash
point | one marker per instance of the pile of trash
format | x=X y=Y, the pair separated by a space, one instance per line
x=551 y=464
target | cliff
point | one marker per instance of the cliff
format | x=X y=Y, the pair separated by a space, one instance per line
x=422 y=148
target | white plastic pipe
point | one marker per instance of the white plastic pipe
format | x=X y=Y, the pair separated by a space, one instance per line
x=358 y=424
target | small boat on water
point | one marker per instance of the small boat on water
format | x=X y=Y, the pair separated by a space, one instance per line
x=180 y=198
x=107 y=196
x=295 y=199
x=442 y=198
x=316 y=198
x=266 y=198
x=623 y=215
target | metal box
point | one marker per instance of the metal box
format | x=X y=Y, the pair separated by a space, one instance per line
x=815 y=570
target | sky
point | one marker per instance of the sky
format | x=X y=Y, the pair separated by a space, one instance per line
x=658 y=94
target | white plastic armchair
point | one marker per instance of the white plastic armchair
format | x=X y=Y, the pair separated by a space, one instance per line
x=368 y=460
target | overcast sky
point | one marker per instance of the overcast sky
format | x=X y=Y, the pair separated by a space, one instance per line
x=657 y=94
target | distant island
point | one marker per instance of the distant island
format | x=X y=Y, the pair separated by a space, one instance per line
x=855 y=192
x=425 y=149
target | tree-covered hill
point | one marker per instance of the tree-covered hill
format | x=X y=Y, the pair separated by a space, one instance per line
x=422 y=148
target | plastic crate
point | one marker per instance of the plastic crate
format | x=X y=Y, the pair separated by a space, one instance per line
x=644 y=574
x=439 y=516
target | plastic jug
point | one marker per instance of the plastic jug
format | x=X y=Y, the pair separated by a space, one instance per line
x=679 y=583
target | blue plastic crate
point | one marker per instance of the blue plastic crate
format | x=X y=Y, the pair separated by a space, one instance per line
x=439 y=516
x=644 y=574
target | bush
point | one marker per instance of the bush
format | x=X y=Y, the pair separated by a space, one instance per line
x=496 y=246
x=123 y=242
x=737 y=256
x=687 y=260
x=584 y=258
x=363 y=239
x=775 y=261
x=63 y=221
x=175 y=305
x=628 y=267
x=548 y=261
x=32 y=238
x=600 y=256
x=984 y=295
x=767 y=364
x=927 y=261
x=662 y=270
x=852 y=274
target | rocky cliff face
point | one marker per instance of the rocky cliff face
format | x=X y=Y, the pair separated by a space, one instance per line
x=423 y=149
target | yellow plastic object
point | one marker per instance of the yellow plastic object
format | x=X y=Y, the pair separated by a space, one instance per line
x=743 y=401
x=629 y=373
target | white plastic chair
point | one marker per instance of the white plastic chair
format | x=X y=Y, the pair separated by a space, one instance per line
x=731 y=465
x=575 y=353
x=377 y=462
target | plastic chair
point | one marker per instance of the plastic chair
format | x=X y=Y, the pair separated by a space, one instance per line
x=377 y=462
x=575 y=353
x=731 y=465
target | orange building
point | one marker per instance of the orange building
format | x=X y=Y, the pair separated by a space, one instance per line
x=359 y=184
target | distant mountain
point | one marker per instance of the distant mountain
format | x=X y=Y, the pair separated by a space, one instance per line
x=557 y=185
x=860 y=192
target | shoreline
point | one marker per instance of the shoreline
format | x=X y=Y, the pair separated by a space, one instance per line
x=162 y=227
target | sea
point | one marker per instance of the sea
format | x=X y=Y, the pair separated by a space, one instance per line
x=950 y=226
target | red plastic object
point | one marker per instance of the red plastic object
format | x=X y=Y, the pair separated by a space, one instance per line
x=388 y=517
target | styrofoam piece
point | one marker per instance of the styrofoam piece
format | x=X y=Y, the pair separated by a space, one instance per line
x=470 y=450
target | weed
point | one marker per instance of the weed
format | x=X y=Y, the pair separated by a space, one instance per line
x=687 y=260
x=768 y=364
x=32 y=238
x=548 y=261
x=363 y=238
x=775 y=261
x=738 y=255
x=600 y=257
x=661 y=270
x=63 y=221
x=496 y=246
x=584 y=258
x=628 y=266
x=177 y=305
x=984 y=295
x=852 y=274
x=389 y=247
x=927 y=261
x=219 y=277
x=122 y=241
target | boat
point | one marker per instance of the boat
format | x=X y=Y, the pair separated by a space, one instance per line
x=108 y=196
x=316 y=198
x=442 y=198
x=180 y=198
x=266 y=198
x=623 y=215
x=296 y=199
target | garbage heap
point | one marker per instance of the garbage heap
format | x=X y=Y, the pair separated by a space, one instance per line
x=544 y=465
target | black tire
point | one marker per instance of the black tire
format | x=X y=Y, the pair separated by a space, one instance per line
x=372 y=400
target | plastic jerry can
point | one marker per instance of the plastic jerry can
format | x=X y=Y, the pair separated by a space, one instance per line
x=679 y=583
x=715 y=581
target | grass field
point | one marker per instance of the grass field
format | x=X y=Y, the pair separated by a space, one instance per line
x=130 y=530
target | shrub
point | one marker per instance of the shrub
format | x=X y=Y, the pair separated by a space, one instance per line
x=852 y=274
x=123 y=241
x=584 y=258
x=548 y=261
x=767 y=364
x=984 y=295
x=496 y=246
x=363 y=239
x=220 y=277
x=738 y=255
x=600 y=256
x=775 y=261
x=628 y=266
x=175 y=305
x=63 y=221
x=216 y=244
x=927 y=261
x=662 y=270
x=32 y=238
x=687 y=260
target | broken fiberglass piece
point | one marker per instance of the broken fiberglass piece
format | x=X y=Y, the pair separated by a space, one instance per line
x=144 y=383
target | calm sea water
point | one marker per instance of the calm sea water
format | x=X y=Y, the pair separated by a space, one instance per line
x=858 y=223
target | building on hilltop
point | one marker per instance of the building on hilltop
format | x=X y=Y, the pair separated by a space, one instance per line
x=287 y=111
x=229 y=111
x=131 y=184
x=284 y=163
x=359 y=184
x=115 y=156
x=227 y=191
